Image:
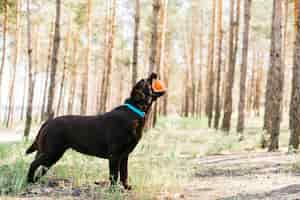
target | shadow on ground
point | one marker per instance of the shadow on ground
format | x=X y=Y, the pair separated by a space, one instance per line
x=246 y=164
x=288 y=192
x=237 y=171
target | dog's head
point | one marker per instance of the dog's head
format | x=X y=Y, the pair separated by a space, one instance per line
x=146 y=91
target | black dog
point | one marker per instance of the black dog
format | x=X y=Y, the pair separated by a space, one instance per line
x=112 y=135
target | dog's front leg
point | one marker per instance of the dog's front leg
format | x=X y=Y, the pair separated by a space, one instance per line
x=114 y=168
x=124 y=173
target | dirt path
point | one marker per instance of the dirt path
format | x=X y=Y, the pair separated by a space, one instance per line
x=253 y=176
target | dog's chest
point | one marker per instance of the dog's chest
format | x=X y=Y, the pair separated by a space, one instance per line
x=137 y=129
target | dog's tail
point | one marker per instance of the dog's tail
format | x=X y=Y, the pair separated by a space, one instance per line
x=34 y=146
x=31 y=149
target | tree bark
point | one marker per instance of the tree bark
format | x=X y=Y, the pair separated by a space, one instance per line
x=154 y=37
x=47 y=73
x=243 y=78
x=295 y=97
x=153 y=54
x=30 y=76
x=233 y=44
x=275 y=84
x=219 y=63
x=210 y=66
x=54 y=60
x=162 y=48
x=136 y=42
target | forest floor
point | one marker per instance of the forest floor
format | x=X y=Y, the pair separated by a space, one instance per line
x=180 y=159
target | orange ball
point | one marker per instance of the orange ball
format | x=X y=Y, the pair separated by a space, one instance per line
x=158 y=86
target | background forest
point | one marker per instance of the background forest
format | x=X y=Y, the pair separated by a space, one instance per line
x=229 y=65
x=105 y=46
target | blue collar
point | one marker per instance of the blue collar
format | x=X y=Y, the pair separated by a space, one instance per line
x=136 y=110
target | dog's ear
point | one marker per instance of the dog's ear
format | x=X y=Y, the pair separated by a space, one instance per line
x=137 y=95
x=152 y=77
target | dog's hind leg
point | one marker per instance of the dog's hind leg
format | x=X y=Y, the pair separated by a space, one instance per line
x=42 y=159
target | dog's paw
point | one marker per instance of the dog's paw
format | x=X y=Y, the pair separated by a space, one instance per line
x=127 y=187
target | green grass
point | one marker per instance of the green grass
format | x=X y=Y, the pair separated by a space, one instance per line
x=158 y=164
x=13 y=168
x=164 y=160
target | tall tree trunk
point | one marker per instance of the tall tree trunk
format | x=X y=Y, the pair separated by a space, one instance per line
x=192 y=64
x=295 y=98
x=236 y=30
x=219 y=64
x=73 y=75
x=233 y=44
x=154 y=36
x=11 y=86
x=187 y=75
x=47 y=73
x=62 y=83
x=5 y=27
x=162 y=47
x=30 y=76
x=109 y=57
x=210 y=66
x=36 y=53
x=275 y=84
x=85 y=74
x=199 y=87
x=153 y=52
x=243 y=78
x=136 y=42
x=54 y=60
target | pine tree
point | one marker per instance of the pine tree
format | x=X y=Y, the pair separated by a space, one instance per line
x=295 y=97
x=243 y=78
x=210 y=67
x=275 y=78
x=219 y=64
x=54 y=60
